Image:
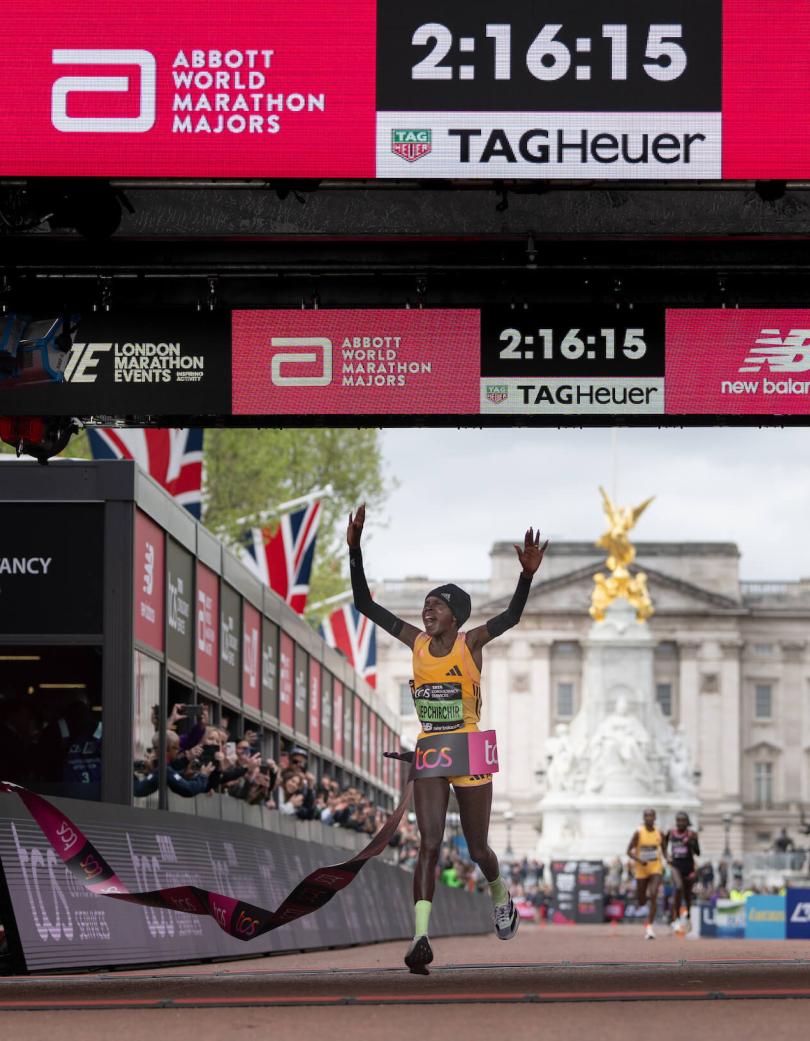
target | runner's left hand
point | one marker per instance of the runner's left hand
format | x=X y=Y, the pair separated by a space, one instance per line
x=530 y=554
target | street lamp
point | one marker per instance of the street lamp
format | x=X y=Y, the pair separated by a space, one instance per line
x=727 y=827
x=508 y=817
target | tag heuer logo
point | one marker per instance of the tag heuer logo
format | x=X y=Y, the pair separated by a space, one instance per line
x=497 y=394
x=411 y=144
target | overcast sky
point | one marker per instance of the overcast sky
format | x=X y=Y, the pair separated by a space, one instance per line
x=461 y=490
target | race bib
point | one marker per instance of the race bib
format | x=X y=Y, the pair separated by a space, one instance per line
x=680 y=851
x=647 y=854
x=439 y=707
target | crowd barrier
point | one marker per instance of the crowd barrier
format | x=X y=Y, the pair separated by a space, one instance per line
x=761 y=916
x=52 y=922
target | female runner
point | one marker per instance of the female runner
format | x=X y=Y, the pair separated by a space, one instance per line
x=447 y=696
x=682 y=846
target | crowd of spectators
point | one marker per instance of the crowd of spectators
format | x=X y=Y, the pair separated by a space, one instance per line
x=531 y=887
x=203 y=760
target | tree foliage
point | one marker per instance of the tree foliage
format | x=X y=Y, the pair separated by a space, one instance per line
x=251 y=471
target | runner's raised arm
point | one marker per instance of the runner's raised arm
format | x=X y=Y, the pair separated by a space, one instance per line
x=362 y=595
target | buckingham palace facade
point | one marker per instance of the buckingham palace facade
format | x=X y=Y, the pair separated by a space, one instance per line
x=732 y=671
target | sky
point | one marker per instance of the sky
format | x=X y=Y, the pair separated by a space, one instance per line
x=459 y=491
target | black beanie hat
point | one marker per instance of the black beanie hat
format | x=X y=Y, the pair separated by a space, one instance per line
x=456 y=599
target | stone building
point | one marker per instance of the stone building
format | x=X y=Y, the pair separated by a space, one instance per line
x=732 y=669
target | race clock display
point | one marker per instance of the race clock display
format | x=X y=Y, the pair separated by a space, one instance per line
x=563 y=360
x=564 y=88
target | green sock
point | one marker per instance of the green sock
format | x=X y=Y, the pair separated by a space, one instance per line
x=422 y=910
x=498 y=891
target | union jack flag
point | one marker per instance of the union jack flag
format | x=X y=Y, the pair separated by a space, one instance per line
x=355 y=636
x=172 y=457
x=283 y=561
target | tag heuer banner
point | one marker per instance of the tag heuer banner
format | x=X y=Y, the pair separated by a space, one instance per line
x=535 y=364
x=615 y=89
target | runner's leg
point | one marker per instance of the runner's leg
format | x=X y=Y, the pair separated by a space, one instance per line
x=430 y=798
x=677 y=894
x=652 y=904
x=474 y=805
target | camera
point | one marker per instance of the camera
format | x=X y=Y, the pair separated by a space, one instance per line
x=34 y=350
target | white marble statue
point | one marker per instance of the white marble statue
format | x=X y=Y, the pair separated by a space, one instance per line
x=620 y=745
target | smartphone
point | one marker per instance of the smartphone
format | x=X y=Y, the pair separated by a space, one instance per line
x=192 y=714
x=209 y=754
x=230 y=749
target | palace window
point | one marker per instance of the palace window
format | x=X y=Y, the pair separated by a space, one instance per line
x=663 y=695
x=763 y=784
x=565 y=700
x=763 y=701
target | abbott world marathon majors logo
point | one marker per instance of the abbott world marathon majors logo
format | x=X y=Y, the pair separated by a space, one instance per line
x=212 y=91
x=362 y=361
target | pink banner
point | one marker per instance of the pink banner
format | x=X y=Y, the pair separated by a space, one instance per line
x=314 y=701
x=738 y=362
x=148 y=581
x=337 y=718
x=766 y=89
x=207 y=625
x=358 y=732
x=188 y=89
x=251 y=637
x=285 y=687
x=397 y=362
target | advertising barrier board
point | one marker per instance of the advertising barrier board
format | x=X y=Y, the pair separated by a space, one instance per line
x=798 y=914
x=61 y=925
x=765 y=917
x=633 y=89
x=578 y=891
x=708 y=920
x=729 y=916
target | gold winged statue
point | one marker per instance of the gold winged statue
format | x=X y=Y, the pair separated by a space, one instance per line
x=621 y=553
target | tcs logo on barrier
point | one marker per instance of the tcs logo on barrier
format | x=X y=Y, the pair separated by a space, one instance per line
x=64 y=86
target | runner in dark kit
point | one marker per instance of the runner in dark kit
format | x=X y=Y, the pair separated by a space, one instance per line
x=646 y=850
x=681 y=846
x=441 y=651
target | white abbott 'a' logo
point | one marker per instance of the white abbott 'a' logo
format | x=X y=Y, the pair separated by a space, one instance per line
x=307 y=352
x=67 y=85
x=801 y=914
x=791 y=354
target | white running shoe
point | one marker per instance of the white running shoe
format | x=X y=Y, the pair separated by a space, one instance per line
x=649 y=933
x=506 y=920
x=419 y=956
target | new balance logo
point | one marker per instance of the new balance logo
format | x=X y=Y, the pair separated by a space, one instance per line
x=780 y=354
x=455 y=671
